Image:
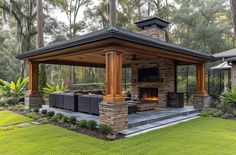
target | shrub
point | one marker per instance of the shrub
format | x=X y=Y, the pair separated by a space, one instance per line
x=36 y=110
x=58 y=88
x=83 y=123
x=19 y=107
x=50 y=114
x=60 y=115
x=3 y=101
x=229 y=100
x=44 y=111
x=12 y=101
x=57 y=117
x=227 y=116
x=65 y=119
x=32 y=115
x=212 y=113
x=104 y=129
x=13 y=88
x=91 y=124
x=73 y=120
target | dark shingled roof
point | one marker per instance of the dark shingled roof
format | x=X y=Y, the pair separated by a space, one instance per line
x=117 y=33
x=227 y=54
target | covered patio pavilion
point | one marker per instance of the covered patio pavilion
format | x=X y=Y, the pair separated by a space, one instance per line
x=113 y=48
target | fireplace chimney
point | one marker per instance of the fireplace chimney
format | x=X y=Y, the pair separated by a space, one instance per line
x=154 y=27
x=112 y=13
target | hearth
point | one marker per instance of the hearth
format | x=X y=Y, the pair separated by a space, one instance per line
x=148 y=94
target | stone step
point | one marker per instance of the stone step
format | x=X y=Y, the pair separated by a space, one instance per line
x=155 y=118
x=157 y=124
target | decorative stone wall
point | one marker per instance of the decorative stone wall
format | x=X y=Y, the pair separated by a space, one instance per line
x=233 y=72
x=167 y=74
x=115 y=115
x=154 y=32
x=33 y=101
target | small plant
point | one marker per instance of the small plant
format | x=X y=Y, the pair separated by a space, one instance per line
x=104 y=129
x=83 y=123
x=19 y=107
x=57 y=117
x=44 y=111
x=65 y=119
x=73 y=120
x=32 y=115
x=51 y=89
x=50 y=114
x=111 y=136
x=91 y=124
x=13 y=88
x=12 y=101
x=36 y=110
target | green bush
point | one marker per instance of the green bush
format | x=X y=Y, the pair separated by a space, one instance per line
x=65 y=119
x=91 y=124
x=44 y=111
x=12 y=101
x=104 y=129
x=57 y=117
x=32 y=115
x=15 y=89
x=50 y=114
x=228 y=99
x=58 y=88
x=36 y=110
x=73 y=120
x=213 y=112
x=83 y=123
x=19 y=107
x=227 y=116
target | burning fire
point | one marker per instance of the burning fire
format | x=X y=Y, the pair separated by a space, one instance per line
x=151 y=98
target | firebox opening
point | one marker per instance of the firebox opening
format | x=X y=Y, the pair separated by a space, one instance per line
x=149 y=94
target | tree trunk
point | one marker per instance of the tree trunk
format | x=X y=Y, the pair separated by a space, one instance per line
x=233 y=14
x=40 y=42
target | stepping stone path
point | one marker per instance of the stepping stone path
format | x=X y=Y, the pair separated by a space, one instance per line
x=19 y=125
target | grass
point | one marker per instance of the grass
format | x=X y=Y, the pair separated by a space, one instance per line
x=203 y=136
x=10 y=118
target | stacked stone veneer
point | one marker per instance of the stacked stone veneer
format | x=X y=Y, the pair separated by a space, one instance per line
x=33 y=101
x=115 y=115
x=154 y=32
x=233 y=72
x=167 y=74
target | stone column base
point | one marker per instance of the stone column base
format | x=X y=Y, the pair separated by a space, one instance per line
x=33 y=101
x=115 y=115
x=201 y=101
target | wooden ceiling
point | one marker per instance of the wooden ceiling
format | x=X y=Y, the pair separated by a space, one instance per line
x=93 y=55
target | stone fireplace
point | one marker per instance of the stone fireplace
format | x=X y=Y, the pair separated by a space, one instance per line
x=163 y=81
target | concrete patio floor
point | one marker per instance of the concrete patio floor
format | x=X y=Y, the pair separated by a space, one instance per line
x=134 y=120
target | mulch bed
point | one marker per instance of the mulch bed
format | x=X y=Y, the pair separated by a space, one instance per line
x=75 y=128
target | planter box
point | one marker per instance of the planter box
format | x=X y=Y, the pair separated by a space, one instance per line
x=146 y=106
x=71 y=102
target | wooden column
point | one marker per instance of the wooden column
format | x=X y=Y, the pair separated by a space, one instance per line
x=113 y=76
x=33 y=77
x=201 y=79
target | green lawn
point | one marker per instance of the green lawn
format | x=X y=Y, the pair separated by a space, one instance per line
x=202 y=136
x=9 y=118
